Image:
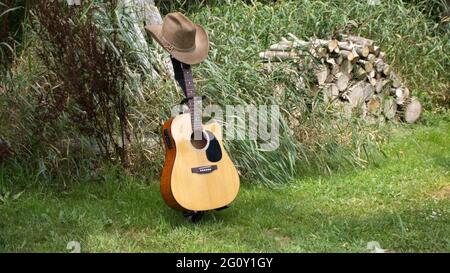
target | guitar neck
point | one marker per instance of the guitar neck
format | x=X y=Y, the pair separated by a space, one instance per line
x=193 y=101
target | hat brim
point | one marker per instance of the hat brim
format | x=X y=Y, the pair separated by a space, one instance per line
x=199 y=54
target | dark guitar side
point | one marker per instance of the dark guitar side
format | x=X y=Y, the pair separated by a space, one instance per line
x=165 y=186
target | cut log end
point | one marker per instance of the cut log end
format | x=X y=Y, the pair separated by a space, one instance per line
x=332 y=45
x=374 y=104
x=347 y=55
x=412 y=110
x=330 y=93
x=322 y=75
x=363 y=51
x=342 y=81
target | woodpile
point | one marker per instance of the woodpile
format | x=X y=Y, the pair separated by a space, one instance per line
x=352 y=72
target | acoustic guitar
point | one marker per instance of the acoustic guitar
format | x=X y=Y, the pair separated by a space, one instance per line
x=198 y=174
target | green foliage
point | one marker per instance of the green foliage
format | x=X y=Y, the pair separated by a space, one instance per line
x=239 y=31
x=90 y=72
x=435 y=9
x=312 y=137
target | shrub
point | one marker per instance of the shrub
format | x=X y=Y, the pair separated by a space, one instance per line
x=91 y=75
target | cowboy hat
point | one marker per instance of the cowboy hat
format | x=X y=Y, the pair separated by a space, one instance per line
x=185 y=41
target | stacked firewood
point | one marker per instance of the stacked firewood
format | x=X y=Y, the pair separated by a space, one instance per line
x=351 y=72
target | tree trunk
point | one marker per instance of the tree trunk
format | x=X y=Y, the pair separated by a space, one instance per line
x=146 y=11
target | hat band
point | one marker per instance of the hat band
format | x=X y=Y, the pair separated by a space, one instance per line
x=170 y=47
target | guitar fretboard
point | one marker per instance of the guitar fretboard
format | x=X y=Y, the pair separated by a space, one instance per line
x=194 y=103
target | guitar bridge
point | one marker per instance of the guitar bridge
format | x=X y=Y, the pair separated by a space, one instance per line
x=204 y=169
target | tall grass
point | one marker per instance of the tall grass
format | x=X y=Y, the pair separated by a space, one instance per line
x=416 y=43
x=417 y=48
x=234 y=75
x=312 y=137
x=434 y=9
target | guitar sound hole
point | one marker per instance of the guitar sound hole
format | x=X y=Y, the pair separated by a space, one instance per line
x=199 y=143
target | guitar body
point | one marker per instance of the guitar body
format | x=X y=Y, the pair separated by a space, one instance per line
x=196 y=179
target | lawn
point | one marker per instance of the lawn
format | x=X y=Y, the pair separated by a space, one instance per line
x=402 y=202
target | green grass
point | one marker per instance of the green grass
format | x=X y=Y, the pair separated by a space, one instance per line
x=403 y=203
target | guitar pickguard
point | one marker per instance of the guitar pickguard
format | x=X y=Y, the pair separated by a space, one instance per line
x=213 y=152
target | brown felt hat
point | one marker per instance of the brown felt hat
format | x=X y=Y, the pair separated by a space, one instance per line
x=185 y=41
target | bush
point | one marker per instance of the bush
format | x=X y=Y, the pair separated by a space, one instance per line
x=91 y=76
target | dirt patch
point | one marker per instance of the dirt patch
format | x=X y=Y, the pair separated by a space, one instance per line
x=282 y=239
x=443 y=193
